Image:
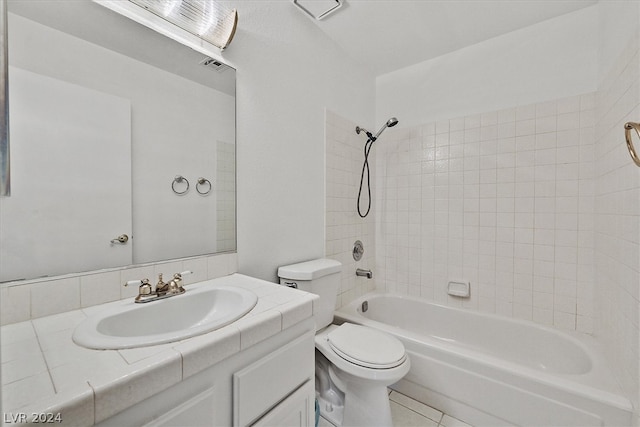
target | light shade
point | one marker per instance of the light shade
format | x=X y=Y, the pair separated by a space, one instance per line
x=206 y=19
x=318 y=9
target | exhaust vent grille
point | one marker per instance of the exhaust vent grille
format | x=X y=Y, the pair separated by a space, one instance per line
x=214 y=64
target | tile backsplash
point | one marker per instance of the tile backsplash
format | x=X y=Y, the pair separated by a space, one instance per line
x=25 y=300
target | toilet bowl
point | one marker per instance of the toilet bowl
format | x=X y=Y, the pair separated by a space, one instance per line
x=360 y=364
x=354 y=363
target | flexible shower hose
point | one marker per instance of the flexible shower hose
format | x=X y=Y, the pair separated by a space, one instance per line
x=365 y=166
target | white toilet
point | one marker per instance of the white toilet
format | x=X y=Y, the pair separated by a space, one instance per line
x=354 y=363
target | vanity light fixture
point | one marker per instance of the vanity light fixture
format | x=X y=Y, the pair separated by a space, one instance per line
x=207 y=19
x=318 y=9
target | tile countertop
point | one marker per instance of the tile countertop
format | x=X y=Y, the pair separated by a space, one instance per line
x=44 y=371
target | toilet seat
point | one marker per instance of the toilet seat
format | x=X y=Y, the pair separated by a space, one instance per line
x=366 y=347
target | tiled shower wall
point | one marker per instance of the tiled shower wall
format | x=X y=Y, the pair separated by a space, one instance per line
x=344 y=158
x=617 y=219
x=503 y=200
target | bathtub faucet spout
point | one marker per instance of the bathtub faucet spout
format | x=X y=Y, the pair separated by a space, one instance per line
x=365 y=273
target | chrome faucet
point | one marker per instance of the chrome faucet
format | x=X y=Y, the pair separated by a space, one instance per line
x=163 y=290
x=364 y=273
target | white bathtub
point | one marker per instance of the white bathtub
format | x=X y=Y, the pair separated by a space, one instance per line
x=491 y=370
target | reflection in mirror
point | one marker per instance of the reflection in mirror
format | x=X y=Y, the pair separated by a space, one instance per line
x=105 y=114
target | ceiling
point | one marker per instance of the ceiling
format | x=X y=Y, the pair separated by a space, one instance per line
x=386 y=35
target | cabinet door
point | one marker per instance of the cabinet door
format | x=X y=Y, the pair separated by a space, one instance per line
x=297 y=410
x=262 y=385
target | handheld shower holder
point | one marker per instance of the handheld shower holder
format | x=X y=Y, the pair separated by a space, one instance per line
x=369 y=134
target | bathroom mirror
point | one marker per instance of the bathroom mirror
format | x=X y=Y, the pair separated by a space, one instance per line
x=122 y=144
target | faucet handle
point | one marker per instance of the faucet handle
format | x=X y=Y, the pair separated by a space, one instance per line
x=178 y=276
x=175 y=285
x=136 y=282
x=145 y=287
x=145 y=290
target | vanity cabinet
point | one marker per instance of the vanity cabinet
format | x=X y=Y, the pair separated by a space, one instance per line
x=268 y=384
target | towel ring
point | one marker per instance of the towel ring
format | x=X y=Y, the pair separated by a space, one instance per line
x=178 y=180
x=203 y=182
x=627 y=134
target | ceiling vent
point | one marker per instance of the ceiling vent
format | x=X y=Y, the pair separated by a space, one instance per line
x=318 y=9
x=214 y=64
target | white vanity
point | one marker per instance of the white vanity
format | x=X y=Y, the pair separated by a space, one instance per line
x=258 y=370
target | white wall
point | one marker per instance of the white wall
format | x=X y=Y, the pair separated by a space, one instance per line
x=287 y=73
x=553 y=59
x=617 y=24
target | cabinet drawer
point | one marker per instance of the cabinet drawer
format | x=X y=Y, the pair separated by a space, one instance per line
x=297 y=410
x=266 y=382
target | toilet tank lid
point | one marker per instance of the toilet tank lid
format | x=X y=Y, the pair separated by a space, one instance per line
x=309 y=270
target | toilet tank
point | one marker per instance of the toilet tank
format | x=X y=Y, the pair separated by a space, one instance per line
x=320 y=277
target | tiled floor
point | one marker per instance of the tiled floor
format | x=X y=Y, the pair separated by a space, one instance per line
x=407 y=412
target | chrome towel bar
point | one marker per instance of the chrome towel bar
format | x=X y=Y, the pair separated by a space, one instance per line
x=627 y=134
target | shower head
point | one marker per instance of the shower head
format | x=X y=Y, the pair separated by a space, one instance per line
x=390 y=123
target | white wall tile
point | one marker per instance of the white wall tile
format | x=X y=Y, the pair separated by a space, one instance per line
x=24 y=300
x=509 y=218
x=99 y=288
x=55 y=296
x=15 y=304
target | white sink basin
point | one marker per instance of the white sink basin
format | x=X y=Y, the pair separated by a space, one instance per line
x=200 y=310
